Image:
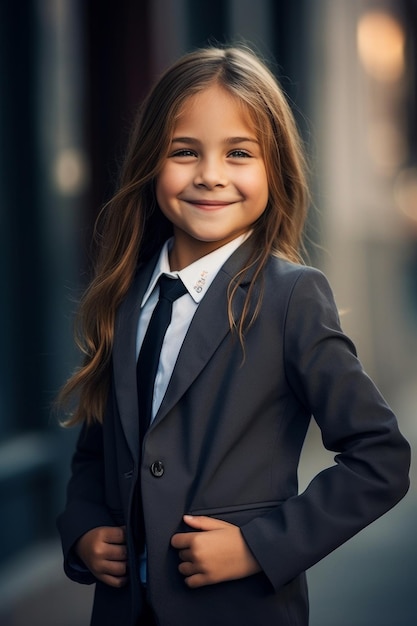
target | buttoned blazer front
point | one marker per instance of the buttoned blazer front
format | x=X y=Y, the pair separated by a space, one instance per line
x=226 y=442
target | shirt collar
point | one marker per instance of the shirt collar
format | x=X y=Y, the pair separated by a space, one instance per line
x=198 y=276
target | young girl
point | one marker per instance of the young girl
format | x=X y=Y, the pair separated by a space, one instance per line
x=195 y=518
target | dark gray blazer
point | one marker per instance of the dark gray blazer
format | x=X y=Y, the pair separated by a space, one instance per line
x=226 y=442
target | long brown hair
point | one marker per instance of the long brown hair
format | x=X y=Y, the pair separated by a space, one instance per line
x=131 y=227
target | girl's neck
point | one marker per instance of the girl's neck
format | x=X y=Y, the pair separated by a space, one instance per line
x=187 y=250
x=180 y=258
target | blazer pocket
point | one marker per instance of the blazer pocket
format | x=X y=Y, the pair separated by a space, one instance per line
x=239 y=514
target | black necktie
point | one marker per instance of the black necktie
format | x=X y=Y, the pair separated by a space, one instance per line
x=169 y=290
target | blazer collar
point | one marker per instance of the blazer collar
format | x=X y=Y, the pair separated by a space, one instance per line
x=208 y=328
x=124 y=355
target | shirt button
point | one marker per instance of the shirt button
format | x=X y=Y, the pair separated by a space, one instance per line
x=157 y=469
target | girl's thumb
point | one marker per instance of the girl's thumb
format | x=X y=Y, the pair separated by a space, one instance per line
x=202 y=522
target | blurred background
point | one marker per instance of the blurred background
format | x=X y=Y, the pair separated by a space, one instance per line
x=72 y=73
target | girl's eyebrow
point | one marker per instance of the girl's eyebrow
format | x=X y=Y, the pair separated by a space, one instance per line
x=188 y=140
x=234 y=140
x=228 y=140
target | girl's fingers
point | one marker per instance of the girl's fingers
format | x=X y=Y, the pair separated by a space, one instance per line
x=193 y=576
x=202 y=522
x=197 y=580
x=182 y=541
x=114 y=552
x=115 y=568
x=110 y=569
x=113 y=581
x=187 y=569
x=114 y=534
x=185 y=555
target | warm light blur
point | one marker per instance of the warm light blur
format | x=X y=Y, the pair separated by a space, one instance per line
x=406 y=192
x=70 y=171
x=381 y=41
x=387 y=146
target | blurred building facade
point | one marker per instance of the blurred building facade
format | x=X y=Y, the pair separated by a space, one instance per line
x=72 y=74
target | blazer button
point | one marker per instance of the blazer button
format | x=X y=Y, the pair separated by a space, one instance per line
x=157 y=469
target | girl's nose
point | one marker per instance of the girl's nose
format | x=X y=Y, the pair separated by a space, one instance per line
x=210 y=173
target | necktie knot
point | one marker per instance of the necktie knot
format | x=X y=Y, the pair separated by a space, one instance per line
x=170 y=288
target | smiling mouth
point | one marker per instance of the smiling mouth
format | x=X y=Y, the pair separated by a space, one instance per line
x=210 y=204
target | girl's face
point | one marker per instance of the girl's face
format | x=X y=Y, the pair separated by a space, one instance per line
x=213 y=184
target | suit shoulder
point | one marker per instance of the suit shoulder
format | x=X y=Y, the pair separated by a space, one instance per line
x=301 y=285
x=278 y=268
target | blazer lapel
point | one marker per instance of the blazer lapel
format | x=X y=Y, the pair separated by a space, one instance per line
x=209 y=326
x=124 y=356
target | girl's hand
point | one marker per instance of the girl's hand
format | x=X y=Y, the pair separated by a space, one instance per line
x=103 y=551
x=216 y=552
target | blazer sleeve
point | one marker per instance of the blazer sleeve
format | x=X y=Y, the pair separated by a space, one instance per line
x=85 y=507
x=370 y=474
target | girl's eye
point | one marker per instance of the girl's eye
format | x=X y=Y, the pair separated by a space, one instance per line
x=183 y=153
x=239 y=154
